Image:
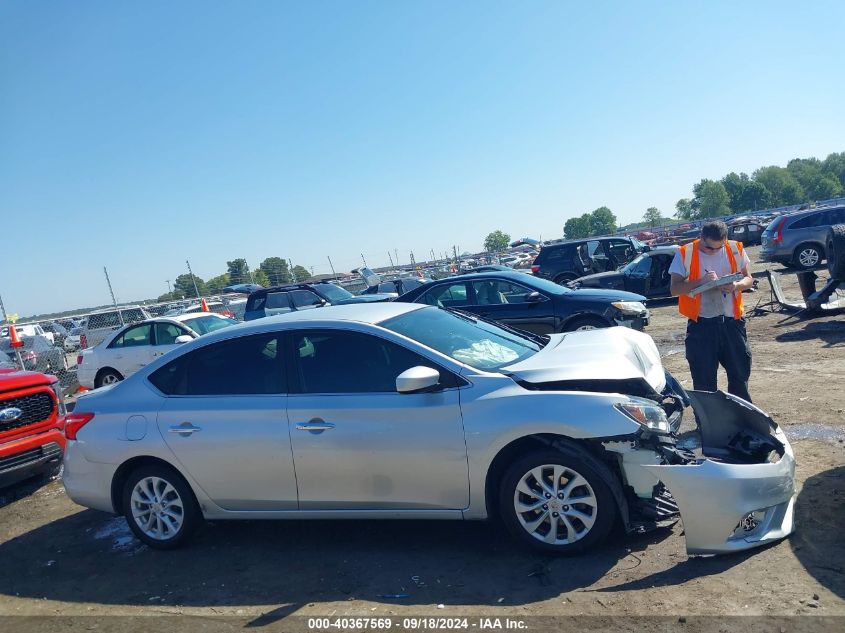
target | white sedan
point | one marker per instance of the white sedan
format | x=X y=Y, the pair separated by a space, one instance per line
x=129 y=349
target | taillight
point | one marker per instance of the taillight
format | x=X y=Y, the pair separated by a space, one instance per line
x=75 y=421
x=83 y=341
x=779 y=231
x=535 y=269
x=79 y=359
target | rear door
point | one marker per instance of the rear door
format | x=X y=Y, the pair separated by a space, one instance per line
x=225 y=421
x=130 y=350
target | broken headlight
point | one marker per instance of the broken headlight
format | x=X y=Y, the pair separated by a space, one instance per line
x=647 y=413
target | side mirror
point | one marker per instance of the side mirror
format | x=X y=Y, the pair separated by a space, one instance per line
x=417 y=379
x=534 y=297
x=184 y=338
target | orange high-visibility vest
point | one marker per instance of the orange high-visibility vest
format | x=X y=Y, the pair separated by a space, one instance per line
x=690 y=307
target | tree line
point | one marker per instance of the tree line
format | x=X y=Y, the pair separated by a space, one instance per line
x=802 y=181
x=273 y=271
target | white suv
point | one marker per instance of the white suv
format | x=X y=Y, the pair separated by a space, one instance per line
x=100 y=324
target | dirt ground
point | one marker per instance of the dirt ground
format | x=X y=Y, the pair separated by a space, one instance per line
x=57 y=558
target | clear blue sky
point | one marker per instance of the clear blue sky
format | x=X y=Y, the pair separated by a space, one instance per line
x=138 y=134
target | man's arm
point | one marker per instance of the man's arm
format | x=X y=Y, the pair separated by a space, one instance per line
x=743 y=284
x=679 y=286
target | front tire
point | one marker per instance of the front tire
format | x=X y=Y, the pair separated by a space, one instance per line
x=160 y=507
x=583 y=324
x=556 y=502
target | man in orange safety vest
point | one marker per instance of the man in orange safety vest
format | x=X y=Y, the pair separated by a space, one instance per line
x=716 y=332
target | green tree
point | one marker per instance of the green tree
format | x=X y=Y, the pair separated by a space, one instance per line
x=238 y=271
x=711 y=199
x=301 y=273
x=276 y=269
x=260 y=277
x=184 y=285
x=652 y=217
x=782 y=184
x=683 y=209
x=834 y=165
x=496 y=242
x=602 y=222
x=216 y=284
x=578 y=228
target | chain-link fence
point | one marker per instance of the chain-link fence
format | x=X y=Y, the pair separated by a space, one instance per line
x=41 y=348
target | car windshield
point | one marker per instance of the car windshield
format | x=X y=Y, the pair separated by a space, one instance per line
x=334 y=293
x=205 y=324
x=461 y=336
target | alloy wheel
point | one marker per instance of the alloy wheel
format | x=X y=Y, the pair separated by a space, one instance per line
x=157 y=508
x=808 y=257
x=109 y=379
x=555 y=504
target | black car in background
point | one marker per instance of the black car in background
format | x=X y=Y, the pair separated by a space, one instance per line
x=535 y=305
x=647 y=275
x=567 y=260
x=395 y=287
x=292 y=297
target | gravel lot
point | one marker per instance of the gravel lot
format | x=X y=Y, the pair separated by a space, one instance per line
x=58 y=558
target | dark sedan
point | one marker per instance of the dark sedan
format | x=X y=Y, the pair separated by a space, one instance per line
x=647 y=275
x=532 y=304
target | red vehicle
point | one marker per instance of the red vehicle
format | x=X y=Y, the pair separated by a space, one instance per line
x=32 y=425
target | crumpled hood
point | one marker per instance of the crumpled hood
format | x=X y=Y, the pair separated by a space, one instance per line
x=611 y=354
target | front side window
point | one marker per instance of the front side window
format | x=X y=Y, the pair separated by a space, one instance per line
x=248 y=365
x=304 y=299
x=334 y=293
x=133 y=337
x=337 y=361
x=477 y=343
x=447 y=296
x=497 y=292
x=166 y=333
x=640 y=266
x=278 y=301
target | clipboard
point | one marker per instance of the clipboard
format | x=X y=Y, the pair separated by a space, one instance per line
x=715 y=284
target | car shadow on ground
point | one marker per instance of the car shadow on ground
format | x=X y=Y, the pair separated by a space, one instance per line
x=22 y=489
x=90 y=557
x=820 y=519
x=831 y=332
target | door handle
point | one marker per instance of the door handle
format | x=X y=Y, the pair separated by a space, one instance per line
x=316 y=424
x=186 y=428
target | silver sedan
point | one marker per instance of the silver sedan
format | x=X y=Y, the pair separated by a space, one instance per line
x=393 y=410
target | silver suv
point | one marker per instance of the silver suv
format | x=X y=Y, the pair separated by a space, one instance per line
x=798 y=239
x=100 y=324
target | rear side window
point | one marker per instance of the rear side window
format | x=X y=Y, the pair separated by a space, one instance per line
x=104 y=319
x=248 y=365
x=813 y=220
x=447 y=296
x=303 y=299
x=133 y=337
x=277 y=301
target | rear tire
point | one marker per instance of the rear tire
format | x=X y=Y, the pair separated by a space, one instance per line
x=807 y=256
x=556 y=503
x=565 y=278
x=582 y=324
x=107 y=377
x=836 y=251
x=159 y=506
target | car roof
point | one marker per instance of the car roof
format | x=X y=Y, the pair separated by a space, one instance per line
x=291 y=286
x=371 y=313
x=189 y=316
x=505 y=274
x=580 y=240
x=662 y=250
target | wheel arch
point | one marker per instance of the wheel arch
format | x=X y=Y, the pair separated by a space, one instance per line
x=102 y=370
x=585 y=450
x=584 y=316
x=126 y=468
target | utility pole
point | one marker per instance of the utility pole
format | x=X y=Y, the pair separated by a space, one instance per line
x=196 y=291
x=455 y=252
x=396 y=253
x=392 y=265
x=331 y=266
x=433 y=258
x=363 y=260
x=111 y=292
x=292 y=274
x=413 y=261
x=3 y=310
x=169 y=290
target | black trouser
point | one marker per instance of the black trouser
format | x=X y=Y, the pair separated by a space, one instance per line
x=720 y=340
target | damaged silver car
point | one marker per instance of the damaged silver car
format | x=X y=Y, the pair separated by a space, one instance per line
x=404 y=411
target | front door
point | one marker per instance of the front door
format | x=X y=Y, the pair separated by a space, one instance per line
x=129 y=351
x=360 y=445
x=508 y=303
x=225 y=421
